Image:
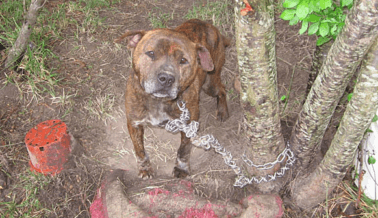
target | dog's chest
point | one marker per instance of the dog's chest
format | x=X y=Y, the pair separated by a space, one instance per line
x=154 y=115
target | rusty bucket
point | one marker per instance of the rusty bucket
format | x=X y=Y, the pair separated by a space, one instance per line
x=48 y=146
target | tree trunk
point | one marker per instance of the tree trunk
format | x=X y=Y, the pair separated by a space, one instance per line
x=314 y=188
x=255 y=42
x=19 y=46
x=320 y=55
x=345 y=54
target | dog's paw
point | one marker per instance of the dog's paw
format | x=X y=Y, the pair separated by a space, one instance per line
x=222 y=115
x=222 y=110
x=146 y=174
x=180 y=173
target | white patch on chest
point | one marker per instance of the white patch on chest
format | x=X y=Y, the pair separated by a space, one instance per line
x=155 y=117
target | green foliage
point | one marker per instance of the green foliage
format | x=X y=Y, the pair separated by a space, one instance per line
x=324 y=18
x=283 y=98
x=371 y=160
x=375 y=118
x=24 y=201
x=350 y=95
x=217 y=11
x=369 y=207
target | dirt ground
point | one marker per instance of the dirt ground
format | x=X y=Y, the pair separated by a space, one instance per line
x=90 y=100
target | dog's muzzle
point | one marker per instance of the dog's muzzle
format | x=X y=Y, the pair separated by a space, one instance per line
x=165 y=80
x=164 y=85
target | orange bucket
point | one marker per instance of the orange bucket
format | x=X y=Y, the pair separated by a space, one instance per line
x=48 y=146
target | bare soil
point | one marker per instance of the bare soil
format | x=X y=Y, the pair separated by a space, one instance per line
x=94 y=71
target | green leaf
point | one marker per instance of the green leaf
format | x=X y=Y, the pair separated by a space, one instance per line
x=375 y=119
x=346 y=2
x=287 y=14
x=314 y=5
x=333 y=30
x=324 y=29
x=313 y=28
x=321 y=40
x=290 y=3
x=283 y=98
x=340 y=27
x=302 y=10
x=369 y=130
x=312 y=18
x=304 y=27
x=294 y=21
x=371 y=160
x=350 y=95
x=325 y=4
x=356 y=176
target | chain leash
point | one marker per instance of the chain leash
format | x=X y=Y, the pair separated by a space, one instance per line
x=208 y=141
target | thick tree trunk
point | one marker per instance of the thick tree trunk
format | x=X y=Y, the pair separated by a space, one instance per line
x=344 y=56
x=255 y=42
x=20 y=45
x=314 y=188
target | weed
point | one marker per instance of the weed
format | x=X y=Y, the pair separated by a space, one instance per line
x=215 y=11
x=11 y=15
x=158 y=21
x=37 y=78
x=23 y=201
x=101 y=106
x=368 y=206
x=64 y=99
x=93 y=4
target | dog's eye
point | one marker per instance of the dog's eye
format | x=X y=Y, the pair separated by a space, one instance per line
x=183 y=61
x=151 y=54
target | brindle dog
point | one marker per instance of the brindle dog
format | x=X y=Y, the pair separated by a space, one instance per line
x=172 y=65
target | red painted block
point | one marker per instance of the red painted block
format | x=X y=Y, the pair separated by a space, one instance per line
x=48 y=146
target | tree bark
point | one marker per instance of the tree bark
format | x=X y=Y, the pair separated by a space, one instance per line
x=255 y=42
x=320 y=55
x=19 y=46
x=314 y=188
x=344 y=56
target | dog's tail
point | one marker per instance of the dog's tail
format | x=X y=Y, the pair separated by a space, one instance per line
x=226 y=41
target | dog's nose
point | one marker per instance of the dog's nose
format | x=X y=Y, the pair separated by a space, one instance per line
x=166 y=80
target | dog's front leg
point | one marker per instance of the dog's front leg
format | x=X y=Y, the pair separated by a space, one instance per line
x=136 y=134
x=182 y=168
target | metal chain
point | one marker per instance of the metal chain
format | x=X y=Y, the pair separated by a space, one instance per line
x=208 y=141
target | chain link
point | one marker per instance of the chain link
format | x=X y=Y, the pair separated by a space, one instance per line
x=208 y=141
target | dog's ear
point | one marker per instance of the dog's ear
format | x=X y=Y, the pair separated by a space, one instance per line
x=205 y=58
x=133 y=37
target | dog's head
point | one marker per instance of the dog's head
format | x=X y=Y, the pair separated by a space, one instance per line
x=165 y=61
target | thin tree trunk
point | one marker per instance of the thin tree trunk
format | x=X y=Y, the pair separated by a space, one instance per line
x=344 y=56
x=255 y=42
x=314 y=188
x=19 y=46
x=320 y=55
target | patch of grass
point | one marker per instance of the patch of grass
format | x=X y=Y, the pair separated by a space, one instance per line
x=11 y=14
x=158 y=20
x=93 y=4
x=23 y=201
x=217 y=11
x=37 y=77
x=63 y=99
x=368 y=206
x=84 y=15
x=101 y=106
